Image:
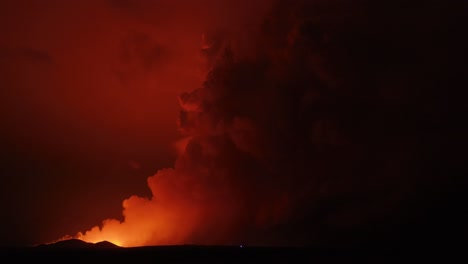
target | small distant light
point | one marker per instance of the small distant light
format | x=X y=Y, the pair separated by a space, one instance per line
x=241 y=246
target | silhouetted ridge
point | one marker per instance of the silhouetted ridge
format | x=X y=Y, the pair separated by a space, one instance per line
x=79 y=244
x=105 y=244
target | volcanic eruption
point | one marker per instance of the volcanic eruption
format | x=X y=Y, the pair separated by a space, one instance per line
x=326 y=123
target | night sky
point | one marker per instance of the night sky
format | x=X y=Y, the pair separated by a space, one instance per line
x=262 y=122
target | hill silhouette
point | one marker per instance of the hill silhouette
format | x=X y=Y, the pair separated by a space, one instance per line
x=78 y=244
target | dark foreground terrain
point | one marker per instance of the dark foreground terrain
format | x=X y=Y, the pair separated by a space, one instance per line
x=75 y=251
x=186 y=254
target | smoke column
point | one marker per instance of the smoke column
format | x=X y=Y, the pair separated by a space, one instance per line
x=329 y=122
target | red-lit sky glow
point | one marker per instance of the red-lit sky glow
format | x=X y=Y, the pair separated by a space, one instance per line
x=262 y=122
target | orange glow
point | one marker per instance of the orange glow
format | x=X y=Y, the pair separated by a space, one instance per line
x=165 y=220
x=96 y=235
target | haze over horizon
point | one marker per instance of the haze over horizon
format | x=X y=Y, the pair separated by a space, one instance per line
x=266 y=122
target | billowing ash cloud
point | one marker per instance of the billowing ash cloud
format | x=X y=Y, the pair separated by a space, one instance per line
x=331 y=122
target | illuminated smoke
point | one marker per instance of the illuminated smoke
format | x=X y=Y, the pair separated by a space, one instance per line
x=301 y=131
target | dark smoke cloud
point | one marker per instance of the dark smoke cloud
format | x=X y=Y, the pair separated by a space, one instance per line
x=332 y=122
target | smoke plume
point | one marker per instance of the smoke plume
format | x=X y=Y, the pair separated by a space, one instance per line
x=328 y=122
